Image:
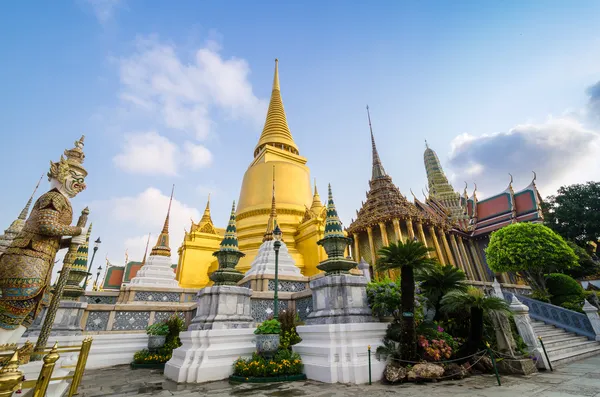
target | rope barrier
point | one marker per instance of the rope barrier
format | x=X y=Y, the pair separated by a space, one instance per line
x=439 y=362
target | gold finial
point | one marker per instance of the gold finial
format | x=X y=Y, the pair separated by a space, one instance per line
x=272 y=222
x=162 y=244
x=276 y=76
x=426 y=145
x=276 y=132
x=146 y=251
x=378 y=171
x=316 y=192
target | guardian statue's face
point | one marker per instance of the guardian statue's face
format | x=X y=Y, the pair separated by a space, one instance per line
x=74 y=183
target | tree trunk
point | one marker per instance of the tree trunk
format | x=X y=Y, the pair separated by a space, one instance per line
x=476 y=332
x=409 y=340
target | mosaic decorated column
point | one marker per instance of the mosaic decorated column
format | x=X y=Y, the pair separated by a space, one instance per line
x=478 y=263
x=409 y=227
x=459 y=258
x=397 y=230
x=422 y=236
x=466 y=260
x=447 y=248
x=372 y=249
x=436 y=243
x=384 y=236
x=356 y=247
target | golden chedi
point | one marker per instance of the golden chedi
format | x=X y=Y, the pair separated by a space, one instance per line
x=300 y=213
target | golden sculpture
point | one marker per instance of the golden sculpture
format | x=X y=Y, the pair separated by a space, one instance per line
x=300 y=213
x=26 y=266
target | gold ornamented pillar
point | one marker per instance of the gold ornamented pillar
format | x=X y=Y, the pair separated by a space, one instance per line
x=436 y=243
x=478 y=262
x=372 y=249
x=409 y=227
x=356 y=247
x=455 y=249
x=467 y=262
x=422 y=236
x=447 y=247
x=384 y=236
x=397 y=230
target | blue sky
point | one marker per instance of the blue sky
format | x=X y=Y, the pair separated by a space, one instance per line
x=176 y=92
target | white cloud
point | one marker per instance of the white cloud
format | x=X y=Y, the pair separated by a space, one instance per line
x=103 y=9
x=155 y=79
x=561 y=150
x=152 y=154
x=197 y=156
x=148 y=153
x=146 y=212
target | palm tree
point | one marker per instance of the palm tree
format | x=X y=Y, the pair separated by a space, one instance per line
x=437 y=282
x=478 y=304
x=408 y=257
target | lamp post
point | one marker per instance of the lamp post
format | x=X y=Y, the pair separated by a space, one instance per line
x=276 y=245
x=96 y=245
x=97 y=277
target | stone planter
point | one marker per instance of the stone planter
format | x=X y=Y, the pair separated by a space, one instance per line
x=155 y=342
x=267 y=344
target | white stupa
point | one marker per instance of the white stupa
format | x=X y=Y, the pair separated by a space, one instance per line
x=157 y=270
x=264 y=262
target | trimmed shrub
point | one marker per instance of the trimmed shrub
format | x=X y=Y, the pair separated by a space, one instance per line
x=565 y=291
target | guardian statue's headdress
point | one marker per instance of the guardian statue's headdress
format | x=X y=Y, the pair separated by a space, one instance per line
x=73 y=161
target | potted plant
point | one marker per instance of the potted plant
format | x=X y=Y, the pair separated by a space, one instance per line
x=157 y=335
x=267 y=337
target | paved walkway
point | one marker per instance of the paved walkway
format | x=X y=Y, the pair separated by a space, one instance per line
x=581 y=378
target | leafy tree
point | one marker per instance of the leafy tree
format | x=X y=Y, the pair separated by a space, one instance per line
x=408 y=257
x=574 y=212
x=587 y=266
x=478 y=305
x=437 y=282
x=531 y=250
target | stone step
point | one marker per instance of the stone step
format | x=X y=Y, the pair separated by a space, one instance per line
x=559 y=336
x=566 y=341
x=575 y=355
x=575 y=347
x=543 y=327
x=555 y=332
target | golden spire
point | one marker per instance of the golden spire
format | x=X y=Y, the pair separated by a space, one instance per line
x=25 y=211
x=378 y=170
x=276 y=131
x=162 y=244
x=316 y=205
x=206 y=216
x=272 y=222
x=146 y=252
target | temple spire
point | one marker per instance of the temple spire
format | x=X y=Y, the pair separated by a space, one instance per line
x=333 y=225
x=272 y=222
x=206 y=216
x=276 y=132
x=378 y=170
x=146 y=251
x=162 y=243
x=25 y=211
x=316 y=205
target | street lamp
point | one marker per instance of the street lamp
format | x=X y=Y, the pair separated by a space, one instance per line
x=276 y=245
x=96 y=246
x=97 y=277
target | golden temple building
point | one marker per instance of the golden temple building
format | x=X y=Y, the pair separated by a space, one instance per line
x=300 y=212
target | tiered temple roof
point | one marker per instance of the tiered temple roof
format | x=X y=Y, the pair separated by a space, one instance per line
x=384 y=200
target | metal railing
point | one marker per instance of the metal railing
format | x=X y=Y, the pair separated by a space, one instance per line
x=10 y=371
x=566 y=319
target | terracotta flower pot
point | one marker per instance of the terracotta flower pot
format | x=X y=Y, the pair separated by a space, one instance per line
x=267 y=344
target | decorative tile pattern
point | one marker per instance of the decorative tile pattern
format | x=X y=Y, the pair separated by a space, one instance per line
x=190 y=297
x=162 y=316
x=97 y=321
x=101 y=300
x=287 y=286
x=304 y=306
x=563 y=318
x=131 y=321
x=262 y=309
x=145 y=296
x=246 y=284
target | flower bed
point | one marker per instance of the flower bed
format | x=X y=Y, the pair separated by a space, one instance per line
x=269 y=379
x=285 y=364
x=157 y=358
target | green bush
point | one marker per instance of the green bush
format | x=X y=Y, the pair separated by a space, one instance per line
x=565 y=291
x=268 y=327
x=159 y=329
x=288 y=335
x=384 y=297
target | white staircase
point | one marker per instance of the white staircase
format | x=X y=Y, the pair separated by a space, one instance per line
x=562 y=346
